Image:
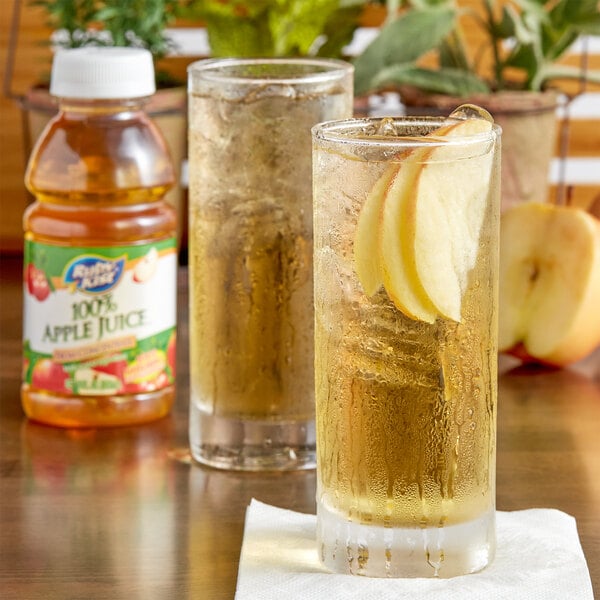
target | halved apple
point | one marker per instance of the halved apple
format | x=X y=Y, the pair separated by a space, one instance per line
x=549 y=283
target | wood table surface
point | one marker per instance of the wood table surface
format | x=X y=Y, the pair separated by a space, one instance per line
x=121 y=513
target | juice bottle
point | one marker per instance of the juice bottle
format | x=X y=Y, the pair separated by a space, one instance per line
x=100 y=260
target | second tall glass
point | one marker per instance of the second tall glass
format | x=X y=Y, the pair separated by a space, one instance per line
x=250 y=256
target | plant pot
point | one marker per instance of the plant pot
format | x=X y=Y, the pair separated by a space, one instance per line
x=168 y=110
x=529 y=130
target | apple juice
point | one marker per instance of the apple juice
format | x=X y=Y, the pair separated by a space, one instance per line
x=250 y=253
x=405 y=404
x=100 y=250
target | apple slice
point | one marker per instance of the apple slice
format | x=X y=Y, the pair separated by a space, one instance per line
x=397 y=264
x=431 y=221
x=397 y=181
x=549 y=283
x=446 y=215
x=393 y=227
x=366 y=257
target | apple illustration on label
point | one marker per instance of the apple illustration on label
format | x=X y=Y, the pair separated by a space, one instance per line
x=146 y=266
x=97 y=383
x=115 y=368
x=549 y=283
x=172 y=353
x=37 y=284
x=49 y=375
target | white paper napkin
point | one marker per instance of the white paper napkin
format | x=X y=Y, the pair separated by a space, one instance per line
x=539 y=557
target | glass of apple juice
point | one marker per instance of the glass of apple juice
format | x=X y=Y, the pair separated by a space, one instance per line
x=406 y=219
x=250 y=256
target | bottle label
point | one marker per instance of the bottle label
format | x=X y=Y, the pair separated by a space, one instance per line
x=101 y=320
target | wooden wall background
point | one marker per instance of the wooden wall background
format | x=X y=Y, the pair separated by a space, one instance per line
x=32 y=63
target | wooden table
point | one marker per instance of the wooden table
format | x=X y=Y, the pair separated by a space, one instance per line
x=123 y=514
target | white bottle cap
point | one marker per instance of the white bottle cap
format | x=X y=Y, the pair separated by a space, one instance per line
x=103 y=73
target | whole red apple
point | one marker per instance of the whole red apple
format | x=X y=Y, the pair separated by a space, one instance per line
x=49 y=375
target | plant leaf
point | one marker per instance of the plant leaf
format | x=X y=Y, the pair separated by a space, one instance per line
x=506 y=27
x=535 y=8
x=339 y=29
x=565 y=72
x=403 y=40
x=590 y=26
x=556 y=43
x=452 y=52
x=454 y=82
x=296 y=24
x=274 y=27
x=247 y=37
x=573 y=11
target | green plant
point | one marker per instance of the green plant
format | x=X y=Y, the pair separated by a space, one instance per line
x=276 y=27
x=138 y=23
x=524 y=39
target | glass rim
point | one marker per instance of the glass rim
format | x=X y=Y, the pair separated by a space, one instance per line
x=338 y=132
x=214 y=69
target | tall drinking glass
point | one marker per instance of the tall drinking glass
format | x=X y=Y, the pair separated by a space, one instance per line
x=250 y=256
x=406 y=216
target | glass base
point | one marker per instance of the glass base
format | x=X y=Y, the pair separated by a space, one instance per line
x=251 y=445
x=375 y=551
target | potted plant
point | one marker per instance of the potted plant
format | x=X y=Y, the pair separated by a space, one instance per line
x=426 y=55
x=139 y=23
x=266 y=28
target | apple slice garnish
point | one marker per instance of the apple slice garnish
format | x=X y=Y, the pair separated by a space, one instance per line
x=366 y=257
x=442 y=219
x=549 y=283
x=430 y=203
x=430 y=222
x=396 y=255
x=418 y=231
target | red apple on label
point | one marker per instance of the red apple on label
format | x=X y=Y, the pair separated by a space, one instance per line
x=151 y=385
x=172 y=353
x=549 y=283
x=37 y=284
x=49 y=375
x=115 y=368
